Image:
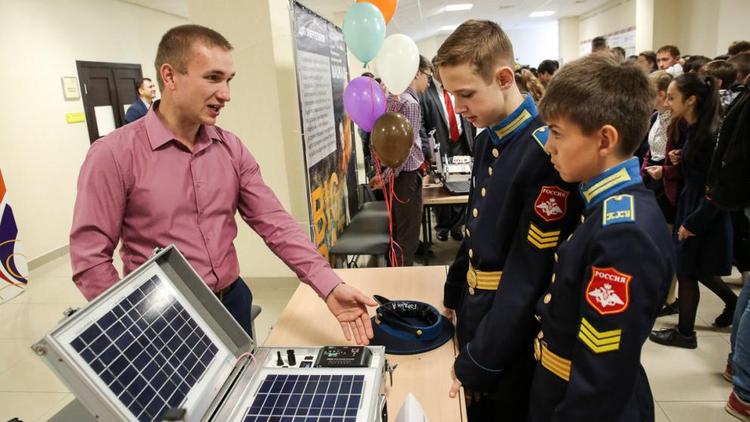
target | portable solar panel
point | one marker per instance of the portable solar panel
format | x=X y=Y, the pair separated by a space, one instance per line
x=159 y=341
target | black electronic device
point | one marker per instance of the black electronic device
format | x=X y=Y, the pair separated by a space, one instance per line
x=343 y=357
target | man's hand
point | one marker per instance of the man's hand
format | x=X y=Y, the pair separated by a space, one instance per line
x=376 y=183
x=684 y=233
x=655 y=172
x=349 y=306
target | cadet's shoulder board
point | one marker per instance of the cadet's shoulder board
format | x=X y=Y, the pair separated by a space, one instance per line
x=608 y=291
x=618 y=209
x=599 y=341
x=540 y=136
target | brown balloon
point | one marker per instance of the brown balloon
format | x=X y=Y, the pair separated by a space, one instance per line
x=392 y=136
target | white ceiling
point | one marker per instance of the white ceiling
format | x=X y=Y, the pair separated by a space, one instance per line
x=421 y=19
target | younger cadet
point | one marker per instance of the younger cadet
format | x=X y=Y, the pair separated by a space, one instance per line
x=613 y=273
x=518 y=211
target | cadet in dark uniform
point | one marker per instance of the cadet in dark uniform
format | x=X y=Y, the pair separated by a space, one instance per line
x=613 y=273
x=519 y=210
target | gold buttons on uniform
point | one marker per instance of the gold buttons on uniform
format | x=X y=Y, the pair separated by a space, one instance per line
x=471 y=253
x=489 y=169
x=475 y=212
x=466 y=230
x=538 y=318
x=570 y=237
x=483 y=192
x=547 y=298
x=553 y=278
x=583 y=219
x=471 y=291
x=555 y=256
x=495 y=152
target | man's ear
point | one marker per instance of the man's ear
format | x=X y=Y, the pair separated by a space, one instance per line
x=167 y=73
x=609 y=141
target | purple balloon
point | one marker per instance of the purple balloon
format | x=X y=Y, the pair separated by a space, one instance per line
x=364 y=101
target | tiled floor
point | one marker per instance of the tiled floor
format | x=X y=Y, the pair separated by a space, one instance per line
x=687 y=384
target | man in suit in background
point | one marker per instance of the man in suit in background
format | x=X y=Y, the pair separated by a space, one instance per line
x=146 y=94
x=456 y=137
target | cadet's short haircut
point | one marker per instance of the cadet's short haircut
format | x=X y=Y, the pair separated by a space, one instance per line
x=479 y=43
x=722 y=70
x=175 y=46
x=660 y=79
x=742 y=61
x=595 y=91
x=671 y=49
x=738 y=47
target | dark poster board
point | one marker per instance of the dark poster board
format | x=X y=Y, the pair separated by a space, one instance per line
x=327 y=132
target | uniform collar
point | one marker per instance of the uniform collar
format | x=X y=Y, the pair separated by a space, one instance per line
x=613 y=180
x=514 y=123
x=159 y=134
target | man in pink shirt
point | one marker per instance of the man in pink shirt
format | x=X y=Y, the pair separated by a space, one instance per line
x=174 y=177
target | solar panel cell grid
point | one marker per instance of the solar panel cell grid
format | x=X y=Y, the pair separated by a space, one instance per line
x=147 y=350
x=307 y=398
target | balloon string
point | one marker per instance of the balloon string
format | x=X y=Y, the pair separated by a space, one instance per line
x=388 y=195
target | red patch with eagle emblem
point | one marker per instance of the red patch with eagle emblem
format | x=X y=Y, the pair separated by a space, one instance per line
x=552 y=203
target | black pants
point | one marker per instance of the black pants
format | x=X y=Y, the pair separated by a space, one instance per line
x=238 y=299
x=449 y=218
x=407 y=215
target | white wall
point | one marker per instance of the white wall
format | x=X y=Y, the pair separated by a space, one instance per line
x=613 y=17
x=732 y=23
x=40 y=154
x=535 y=43
x=568 y=39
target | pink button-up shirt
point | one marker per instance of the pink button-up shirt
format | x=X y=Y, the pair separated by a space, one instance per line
x=142 y=187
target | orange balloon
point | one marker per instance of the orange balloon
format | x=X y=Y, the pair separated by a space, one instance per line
x=387 y=7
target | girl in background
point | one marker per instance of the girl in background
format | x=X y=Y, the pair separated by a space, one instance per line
x=703 y=231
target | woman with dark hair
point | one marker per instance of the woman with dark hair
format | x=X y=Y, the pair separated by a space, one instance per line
x=704 y=232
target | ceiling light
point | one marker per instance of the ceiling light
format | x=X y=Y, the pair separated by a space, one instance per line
x=542 y=14
x=458 y=7
x=448 y=28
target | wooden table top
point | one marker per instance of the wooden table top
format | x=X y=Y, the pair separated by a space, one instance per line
x=306 y=322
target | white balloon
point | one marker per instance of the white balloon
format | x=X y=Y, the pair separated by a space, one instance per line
x=397 y=62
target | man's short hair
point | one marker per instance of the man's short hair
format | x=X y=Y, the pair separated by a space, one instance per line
x=175 y=45
x=742 y=61
x=595 y=91
x=140 y=83
x=548 y=66
x=722 y=70
x=598 y=43
x=424 y=64
x=671 y=49
x=738 y=47
x=479 y=43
